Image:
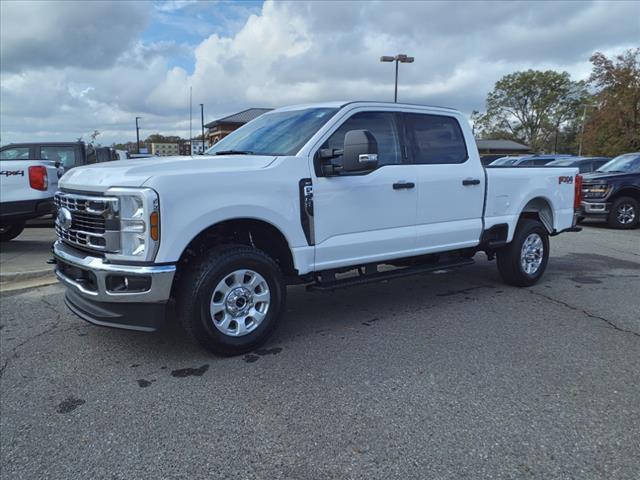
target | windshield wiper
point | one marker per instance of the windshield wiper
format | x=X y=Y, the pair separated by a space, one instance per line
x=234 y=152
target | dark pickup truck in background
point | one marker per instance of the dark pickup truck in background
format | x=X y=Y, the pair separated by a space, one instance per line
x=613 y=192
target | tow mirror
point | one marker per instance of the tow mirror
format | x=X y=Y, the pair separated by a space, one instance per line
x=360 y=151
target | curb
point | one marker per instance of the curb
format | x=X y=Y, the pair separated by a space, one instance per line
x=27 y=284
x=20 y=276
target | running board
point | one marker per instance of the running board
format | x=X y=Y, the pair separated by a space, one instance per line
x=388 y=275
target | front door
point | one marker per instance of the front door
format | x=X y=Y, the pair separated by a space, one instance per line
x=371 y=216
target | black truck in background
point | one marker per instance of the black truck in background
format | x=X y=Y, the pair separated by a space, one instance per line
x=613 y=192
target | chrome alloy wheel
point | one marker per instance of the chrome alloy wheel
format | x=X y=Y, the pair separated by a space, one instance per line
x=626 y=214
x=531 y=254
x=240 y=303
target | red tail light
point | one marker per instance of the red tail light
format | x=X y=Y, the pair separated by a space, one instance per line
x=38 y=178
x=577 y=197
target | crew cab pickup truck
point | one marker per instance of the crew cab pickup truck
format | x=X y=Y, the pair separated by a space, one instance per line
x=29 y=178
x=329 y=195
x=612 y=192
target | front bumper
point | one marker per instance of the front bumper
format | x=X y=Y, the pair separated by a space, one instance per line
x=595 y=208
x=121 y=296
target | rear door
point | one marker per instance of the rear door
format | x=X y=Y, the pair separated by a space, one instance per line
x=368 y=217
x=451 y=183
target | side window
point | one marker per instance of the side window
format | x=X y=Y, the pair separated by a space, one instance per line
x=65 y=155
x=383 y=127
x=541 y=162
x=18 y=153
x=435 y=139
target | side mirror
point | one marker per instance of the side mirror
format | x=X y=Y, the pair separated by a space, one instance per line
x=360 y=151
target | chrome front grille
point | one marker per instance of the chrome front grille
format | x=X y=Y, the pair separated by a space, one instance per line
x=94 y=221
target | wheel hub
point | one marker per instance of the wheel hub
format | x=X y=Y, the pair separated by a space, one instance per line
x=238 y=301
x=532 y=254
x=626 y=214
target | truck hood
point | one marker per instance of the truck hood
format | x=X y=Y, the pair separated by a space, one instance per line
x=595 y=177
x=134 y=173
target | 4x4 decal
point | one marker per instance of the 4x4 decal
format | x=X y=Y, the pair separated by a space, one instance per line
x=11 y=173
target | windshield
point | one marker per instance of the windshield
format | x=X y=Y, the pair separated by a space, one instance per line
x=277 y=133
x=627 y=163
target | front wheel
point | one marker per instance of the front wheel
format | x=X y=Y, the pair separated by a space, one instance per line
x=231 y=302
x=10 y=231
x=523 y=261
x=624 y=213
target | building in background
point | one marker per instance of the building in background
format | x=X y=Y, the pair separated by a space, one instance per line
x=490 y=149
x=164 y=149
x=218 y=129
x=184 y=148
x=197 y=147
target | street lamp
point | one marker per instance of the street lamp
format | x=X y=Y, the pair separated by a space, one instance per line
x=584 y=117
x=202 y=123
x=138 y=134
x=400 y=58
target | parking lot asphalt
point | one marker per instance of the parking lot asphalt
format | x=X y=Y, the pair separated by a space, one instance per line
x=442 y=376
x=26 y=256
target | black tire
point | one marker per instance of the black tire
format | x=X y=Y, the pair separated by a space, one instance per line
x=9 y=231
x=509 y=257
x=196 y=289
x=616 y=218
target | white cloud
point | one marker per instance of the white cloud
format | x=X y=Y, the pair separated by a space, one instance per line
x=294 y=52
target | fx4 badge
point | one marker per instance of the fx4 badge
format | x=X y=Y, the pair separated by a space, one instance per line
x=565 y=179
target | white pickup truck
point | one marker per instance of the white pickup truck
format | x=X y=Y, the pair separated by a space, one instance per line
x=302 y=194
x=27 y=186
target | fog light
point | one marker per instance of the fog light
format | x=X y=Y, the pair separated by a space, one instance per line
x=128 y=284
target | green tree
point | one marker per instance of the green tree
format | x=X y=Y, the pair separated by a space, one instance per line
x=533 y=107
x=613 y=122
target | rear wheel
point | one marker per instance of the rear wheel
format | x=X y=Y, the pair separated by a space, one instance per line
x=232 y=301
x=9 y=231
x=523 y=261
x=624 y=213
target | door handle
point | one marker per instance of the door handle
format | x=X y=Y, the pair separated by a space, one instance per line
x=470 y=181
x=403 y=185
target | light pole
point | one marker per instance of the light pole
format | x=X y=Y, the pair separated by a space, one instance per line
x=138 y=134
x=202 y=123
x=399 y=58
x=584 y=116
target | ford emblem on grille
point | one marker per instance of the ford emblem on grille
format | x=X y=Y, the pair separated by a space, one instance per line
x=64 y=218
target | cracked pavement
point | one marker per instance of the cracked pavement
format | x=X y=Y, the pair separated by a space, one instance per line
x=441 y=376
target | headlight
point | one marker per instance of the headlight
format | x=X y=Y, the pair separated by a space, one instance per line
x=595 y=191
x=139 y=214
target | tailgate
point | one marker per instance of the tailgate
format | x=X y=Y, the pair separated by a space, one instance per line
x=14 y=180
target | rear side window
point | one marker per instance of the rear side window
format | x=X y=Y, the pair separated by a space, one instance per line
x=382 y=126
x=18 y=153
x=435 y=139
x=65 y=155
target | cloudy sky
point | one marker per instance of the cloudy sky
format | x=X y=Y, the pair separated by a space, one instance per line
x=68 y=68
